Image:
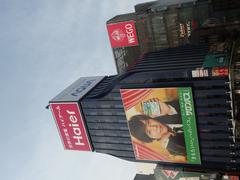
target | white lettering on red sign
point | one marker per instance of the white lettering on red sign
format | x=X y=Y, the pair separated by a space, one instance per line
x=130 y=34
x=122 y=34
x=71 y=126
x=76 y=130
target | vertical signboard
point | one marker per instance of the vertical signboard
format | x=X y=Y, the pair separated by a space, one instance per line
x=67 y=113
x=71 y=126
x=122 y=34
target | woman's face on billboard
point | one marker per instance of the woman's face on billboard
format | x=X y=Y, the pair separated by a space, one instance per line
x=155 y=129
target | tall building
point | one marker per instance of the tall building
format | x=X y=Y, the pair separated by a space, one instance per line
x=124 y=41
x=159 y=25
x=175 y=101
x=96 y=113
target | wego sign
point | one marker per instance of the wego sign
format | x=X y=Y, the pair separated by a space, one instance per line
x=122 y=34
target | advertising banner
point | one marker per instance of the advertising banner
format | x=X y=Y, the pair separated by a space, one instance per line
x=71 y=126
x=162 y=124
x=122 y=34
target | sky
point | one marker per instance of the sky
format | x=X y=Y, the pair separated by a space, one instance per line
x=44 y=47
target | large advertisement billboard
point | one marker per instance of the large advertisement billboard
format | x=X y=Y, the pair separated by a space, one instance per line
x=162 y=124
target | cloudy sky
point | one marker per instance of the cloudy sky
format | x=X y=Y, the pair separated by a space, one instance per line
x=45 y=46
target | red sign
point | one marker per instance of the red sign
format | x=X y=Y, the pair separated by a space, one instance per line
x=122 y=34
x=220 y=71
x=71 y=126
x=170 y=173
x=234 y=178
